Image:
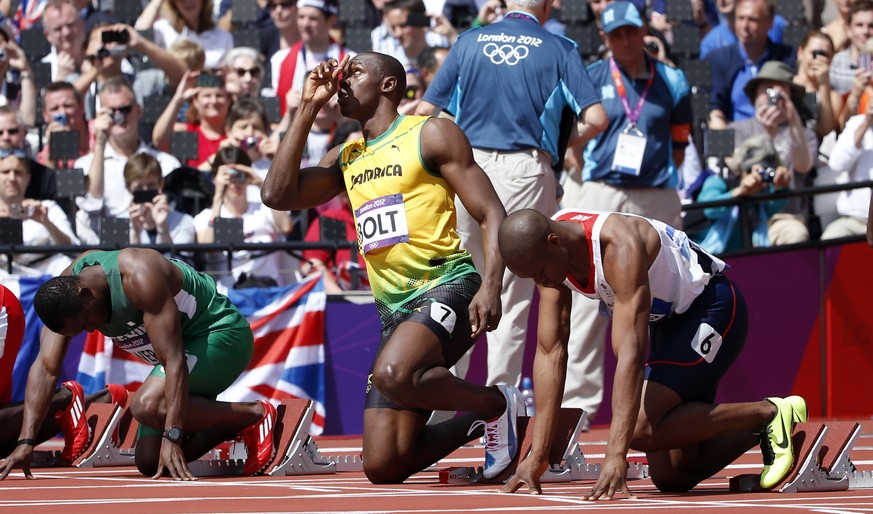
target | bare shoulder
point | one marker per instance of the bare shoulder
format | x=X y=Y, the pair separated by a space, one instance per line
x=69 y=270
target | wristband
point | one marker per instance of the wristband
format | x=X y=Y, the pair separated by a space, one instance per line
x=29 y=442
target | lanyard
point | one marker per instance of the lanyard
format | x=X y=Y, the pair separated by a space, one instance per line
x=634 y=115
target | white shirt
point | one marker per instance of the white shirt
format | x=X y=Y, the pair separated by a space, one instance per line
x=36 y=234
x=258 y=227
x=853 y=164
x=116 y=198
x=215 y=42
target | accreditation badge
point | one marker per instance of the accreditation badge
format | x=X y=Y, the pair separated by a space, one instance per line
x=629 y=151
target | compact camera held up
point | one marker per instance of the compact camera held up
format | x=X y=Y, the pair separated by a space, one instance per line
x=237 y=176
x=773 y=96
x=767 y=172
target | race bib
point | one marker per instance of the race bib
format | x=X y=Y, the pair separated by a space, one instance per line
x=382 y=222
x=444 y=315
x=706 y=342
x=629 y=153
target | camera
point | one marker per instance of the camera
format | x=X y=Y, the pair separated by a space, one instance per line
x=208 y=80
x=768 y=173
x=249 y=143
x=145 y=195
x=21 y=212
x=651 y=47
x=237 y=176
x=60 y=118
x=115 y=36
x=773 y=96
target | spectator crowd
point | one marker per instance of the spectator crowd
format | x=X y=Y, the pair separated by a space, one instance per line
x=155 y=122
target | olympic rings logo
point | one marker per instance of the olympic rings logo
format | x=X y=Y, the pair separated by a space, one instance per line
x=505 y=54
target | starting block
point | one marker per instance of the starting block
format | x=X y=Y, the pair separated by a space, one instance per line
x=567 y=462
x=821 y=461
x=296 y=452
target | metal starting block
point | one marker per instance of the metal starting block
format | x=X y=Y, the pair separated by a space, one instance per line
x=104 y=419
x=821 y=461
x=567 y=460
x=296 y=452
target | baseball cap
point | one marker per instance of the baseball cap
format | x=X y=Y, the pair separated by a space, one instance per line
x=620 y=14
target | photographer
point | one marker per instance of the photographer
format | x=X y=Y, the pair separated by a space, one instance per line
x=117 y=139
x=153 y=218
x=207 y=114
x=232 y=174
x=776 y=98
x=105 y=58
x=43 y=221
x=852 y=161
x=757 y=169
x=20 y=92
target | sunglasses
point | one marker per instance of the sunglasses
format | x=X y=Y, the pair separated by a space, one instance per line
x=255 y=72
x=124 y=110
x=8 y=152
x=11 y=131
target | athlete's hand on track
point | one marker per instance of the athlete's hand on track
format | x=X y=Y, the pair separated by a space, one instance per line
x=613 y=479
x=21 y=457
x=528 y=473
x=173 y=460
x=323 y=81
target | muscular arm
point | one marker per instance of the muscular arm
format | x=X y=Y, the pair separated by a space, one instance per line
x=625 y=267
x=445 y=148
x=550 y=369
x=286 y=186
x=150 y=285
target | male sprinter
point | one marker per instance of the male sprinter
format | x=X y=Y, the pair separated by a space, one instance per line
x=650 y=279
x=66 y=406
x=168 y=315
x=402 y=177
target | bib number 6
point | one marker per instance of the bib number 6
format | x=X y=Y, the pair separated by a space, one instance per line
x=706 y=342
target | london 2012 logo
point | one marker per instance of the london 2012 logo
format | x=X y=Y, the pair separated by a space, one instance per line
x=505 y=54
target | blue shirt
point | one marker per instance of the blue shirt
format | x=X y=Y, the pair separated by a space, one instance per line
x=508 y=83
x=721 y=35
x=667 y=106
x=732 y=70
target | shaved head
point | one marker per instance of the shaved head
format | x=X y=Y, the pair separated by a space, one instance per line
x=522 y=234
x=388 y=66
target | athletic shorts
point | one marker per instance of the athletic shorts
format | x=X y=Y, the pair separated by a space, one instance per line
x=692 y=351
x=445 y=311
x=214 y=363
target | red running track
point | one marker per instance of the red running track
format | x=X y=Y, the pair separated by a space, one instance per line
x=123 y=490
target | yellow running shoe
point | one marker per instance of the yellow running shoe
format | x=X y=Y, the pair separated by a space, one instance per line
x=776 y=444
x=798 y=406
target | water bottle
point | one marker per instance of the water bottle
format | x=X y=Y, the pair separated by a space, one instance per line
x=528 y=394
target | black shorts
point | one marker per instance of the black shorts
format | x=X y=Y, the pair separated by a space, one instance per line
x=444 y=310
x=692 y=351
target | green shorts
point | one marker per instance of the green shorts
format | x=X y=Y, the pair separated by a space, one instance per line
x=214 y=363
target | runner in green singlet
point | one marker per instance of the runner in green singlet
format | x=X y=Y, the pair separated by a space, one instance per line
x=168 y=315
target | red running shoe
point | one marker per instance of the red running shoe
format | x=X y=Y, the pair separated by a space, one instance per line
x=77 y=433
x=258 y=439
